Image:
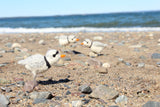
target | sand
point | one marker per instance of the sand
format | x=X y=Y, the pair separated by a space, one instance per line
x=138 y=83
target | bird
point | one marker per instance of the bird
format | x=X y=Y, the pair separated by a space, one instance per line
x=65 y=40
x=38 y=63
x=95 y=46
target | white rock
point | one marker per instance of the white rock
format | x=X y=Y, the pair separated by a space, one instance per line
x=97 y=38
x=41 y=42
x=135 y=46
x=91 y=54
x=77 y=103
x=16 y=45
x=106 y=65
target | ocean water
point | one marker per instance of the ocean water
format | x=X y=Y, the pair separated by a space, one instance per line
x=131 y=21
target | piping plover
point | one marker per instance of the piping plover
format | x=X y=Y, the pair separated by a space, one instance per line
x=38 y=63
x=95 y=46
x=65 y=40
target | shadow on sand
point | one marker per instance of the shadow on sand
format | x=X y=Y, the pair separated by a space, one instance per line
x=54 y=82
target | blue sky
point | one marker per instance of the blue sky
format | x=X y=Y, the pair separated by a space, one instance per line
x=16 y=8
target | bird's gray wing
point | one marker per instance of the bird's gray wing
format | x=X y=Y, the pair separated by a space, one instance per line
x=99 y=44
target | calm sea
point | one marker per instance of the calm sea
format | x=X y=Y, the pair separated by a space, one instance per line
x=131 y=21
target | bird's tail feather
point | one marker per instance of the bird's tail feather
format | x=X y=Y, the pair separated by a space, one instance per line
x=22 y=62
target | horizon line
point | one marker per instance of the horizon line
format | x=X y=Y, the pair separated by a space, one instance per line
x=80 y=14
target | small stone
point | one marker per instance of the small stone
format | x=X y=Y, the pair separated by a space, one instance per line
x=142 y=57
x=41 y=95
x=158 y=64
x=32 y=39
x=41 y=42
x=135 y=46
x=4 y=81
x=151 y=104
x=9 y=45
x=16 y=45
x=58 y=98
x=106 y=65
x=82 y=95
x=128 y=64
x=68 y=92
x=94 y=62
x=1 y=56
x=4 y=100
x=85 y=89
x=97 y=38
x=2 y=65
x=8 y=89
x=20 y=83
x=99 y=105
x=141 y=65
x=113 y=106
x=67 y=59
x=16 y=101
x=155 y=56
x=121 y=99
x=85 y=101
x=104 y=92
x=91 y=54
x=101 y=70
x=77 y=103
x=39 y=100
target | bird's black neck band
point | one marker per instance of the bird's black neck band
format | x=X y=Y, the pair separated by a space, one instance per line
x=47 y=63
x=91 y=44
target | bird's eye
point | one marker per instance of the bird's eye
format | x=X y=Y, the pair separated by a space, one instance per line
x=54 y=55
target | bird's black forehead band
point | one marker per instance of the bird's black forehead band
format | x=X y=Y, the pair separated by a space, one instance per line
x=57 y=52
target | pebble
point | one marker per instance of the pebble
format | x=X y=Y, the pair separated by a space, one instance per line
x=85 y=89
x=143 y=57
x=9 y=45
x=135 y=46
x=82 y=95
x=32 y=39
x=77 y=103
x=92 y=54
x=15 y=45
x=106 y=65
x=40 y=95
x=2 y=65
x=42 y=42
x=141 y=65
x=1 y=56
x=67 y=59
x=155 y=56
x=104 y=92
x=4 y=81
x=2 y=51
x=68 y=92
x=39 y=100
x=151 y=104
x=93 y=62
x=158 y=64
x=101 y=70
x=6 y=89
x=121 y=99
x=3 y=101
x=128 y=64
x=97 y=38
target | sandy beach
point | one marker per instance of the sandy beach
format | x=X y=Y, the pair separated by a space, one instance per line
x=131 y=67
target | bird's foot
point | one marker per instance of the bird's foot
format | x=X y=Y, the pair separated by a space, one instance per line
x=30 y=85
